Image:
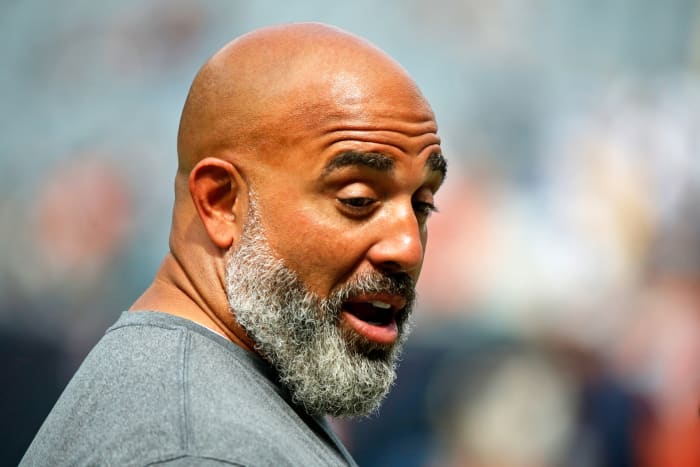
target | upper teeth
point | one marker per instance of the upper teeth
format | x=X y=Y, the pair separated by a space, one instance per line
x=380 y=304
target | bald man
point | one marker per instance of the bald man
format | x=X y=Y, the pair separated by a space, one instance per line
x=308 y=163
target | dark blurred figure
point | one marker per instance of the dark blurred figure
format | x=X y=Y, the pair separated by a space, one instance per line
x=469 y=396
x=32 y=380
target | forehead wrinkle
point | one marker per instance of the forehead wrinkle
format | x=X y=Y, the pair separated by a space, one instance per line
x=392 y=139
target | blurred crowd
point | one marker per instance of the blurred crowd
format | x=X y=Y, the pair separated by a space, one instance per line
x=559 y=307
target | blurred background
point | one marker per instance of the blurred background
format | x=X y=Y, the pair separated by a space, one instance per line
x=559 y=308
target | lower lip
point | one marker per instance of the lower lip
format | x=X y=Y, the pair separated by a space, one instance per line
x=379 y=333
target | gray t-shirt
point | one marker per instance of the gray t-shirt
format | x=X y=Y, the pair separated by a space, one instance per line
x=161 y=390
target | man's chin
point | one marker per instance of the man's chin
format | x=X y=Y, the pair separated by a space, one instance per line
x=359 y=345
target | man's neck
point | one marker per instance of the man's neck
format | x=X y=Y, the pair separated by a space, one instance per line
x=172 y=292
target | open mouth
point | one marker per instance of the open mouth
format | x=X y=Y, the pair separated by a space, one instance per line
x=374 y=318
x=376 y=313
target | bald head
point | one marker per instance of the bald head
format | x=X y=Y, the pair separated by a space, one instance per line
x=252 y=93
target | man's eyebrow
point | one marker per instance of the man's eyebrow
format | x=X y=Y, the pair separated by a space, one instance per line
x=372 y=160
x=437 y=163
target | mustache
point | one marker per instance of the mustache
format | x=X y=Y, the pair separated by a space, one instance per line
x=374 y=282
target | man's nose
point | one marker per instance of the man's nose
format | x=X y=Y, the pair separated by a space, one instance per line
x=400 y=243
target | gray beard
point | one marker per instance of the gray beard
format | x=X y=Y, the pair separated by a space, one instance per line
x=329 y=370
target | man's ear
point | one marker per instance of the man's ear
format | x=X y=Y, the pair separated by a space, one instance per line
x=218 y=192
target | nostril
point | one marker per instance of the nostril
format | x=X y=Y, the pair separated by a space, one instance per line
x=391 y=266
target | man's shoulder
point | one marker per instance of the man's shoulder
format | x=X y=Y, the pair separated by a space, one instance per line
x=158 y=389
x=125 y=400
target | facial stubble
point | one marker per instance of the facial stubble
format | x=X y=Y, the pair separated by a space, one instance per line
x=327 y=368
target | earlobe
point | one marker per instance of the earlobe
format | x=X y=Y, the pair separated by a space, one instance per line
x=217 y=190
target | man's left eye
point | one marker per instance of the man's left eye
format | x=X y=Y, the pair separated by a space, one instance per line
x=424 y=209
x=357 y=202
